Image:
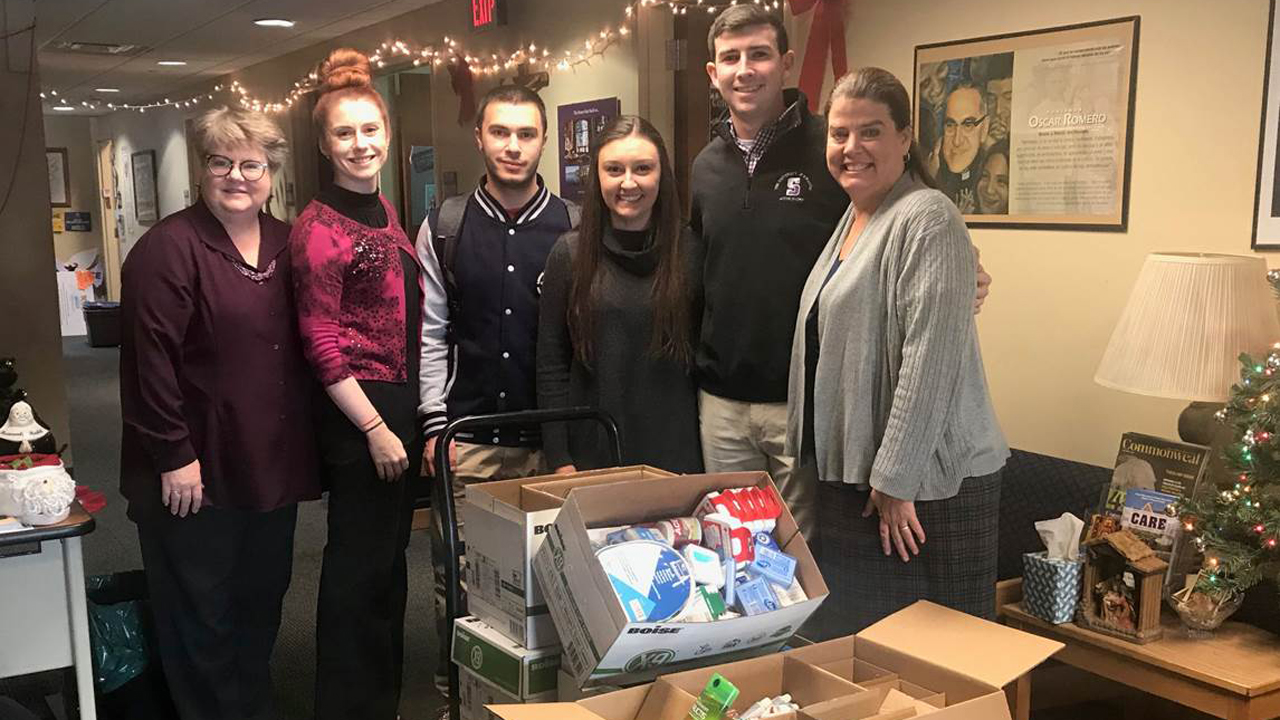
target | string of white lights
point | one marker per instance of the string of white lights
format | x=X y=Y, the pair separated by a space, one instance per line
x=450 y=50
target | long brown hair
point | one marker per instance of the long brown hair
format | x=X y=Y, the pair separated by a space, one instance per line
x=880 y=85
x=346 y=73
x=671 y=301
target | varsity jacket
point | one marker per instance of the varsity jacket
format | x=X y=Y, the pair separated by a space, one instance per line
x=481 y=358
x=762 y=234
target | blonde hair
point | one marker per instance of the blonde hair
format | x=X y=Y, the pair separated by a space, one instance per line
x=223 y=127
x=346 y=73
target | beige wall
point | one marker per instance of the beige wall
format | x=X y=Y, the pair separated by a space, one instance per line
x=1057 y=295
x=73 y=134
x=28 y=291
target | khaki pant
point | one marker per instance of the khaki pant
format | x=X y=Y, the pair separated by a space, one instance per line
x=740 y=436
x=476 y=463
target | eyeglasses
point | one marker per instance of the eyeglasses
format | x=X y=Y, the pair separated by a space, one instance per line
x=221 y=166
x=969 y=124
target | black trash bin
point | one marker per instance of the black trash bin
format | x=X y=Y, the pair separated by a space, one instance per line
x=103 y=321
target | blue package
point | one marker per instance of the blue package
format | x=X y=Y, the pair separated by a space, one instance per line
x=755 y=597
x=774 y=566
x=764 y=539
x=651 y=579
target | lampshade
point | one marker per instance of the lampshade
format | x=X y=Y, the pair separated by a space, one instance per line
x=1187 y=321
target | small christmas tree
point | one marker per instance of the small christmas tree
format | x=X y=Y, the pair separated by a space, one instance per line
x=1237 y=524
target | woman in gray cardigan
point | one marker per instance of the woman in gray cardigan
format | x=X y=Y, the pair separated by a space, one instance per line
x=887 y=393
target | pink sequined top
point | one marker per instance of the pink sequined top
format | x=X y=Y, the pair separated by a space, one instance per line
x=349 y=288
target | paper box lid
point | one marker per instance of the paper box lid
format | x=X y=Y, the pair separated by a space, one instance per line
x=657 y=701
x=951 y=639
x=505 y=496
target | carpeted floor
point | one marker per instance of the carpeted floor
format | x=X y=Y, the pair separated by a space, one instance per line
x=93 y=391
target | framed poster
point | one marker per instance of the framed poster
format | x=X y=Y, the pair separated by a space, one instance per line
x=146 y=200
x=59 y=180
x=1032 y=129
x=579 y=124
x=1266 y=199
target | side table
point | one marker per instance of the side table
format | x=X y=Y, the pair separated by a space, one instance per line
x=1233 y=675
x=44 y=621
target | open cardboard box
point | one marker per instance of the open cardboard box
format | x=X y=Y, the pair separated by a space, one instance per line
x=810 y=687
x=504 y=528
x=965 y=659
x=599 y=643
x=655 y=701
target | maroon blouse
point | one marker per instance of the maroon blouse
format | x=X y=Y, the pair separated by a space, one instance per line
x=211 y=367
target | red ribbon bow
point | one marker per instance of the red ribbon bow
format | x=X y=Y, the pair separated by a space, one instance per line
x=826 y=33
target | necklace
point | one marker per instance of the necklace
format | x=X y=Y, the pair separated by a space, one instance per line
x=258 y=276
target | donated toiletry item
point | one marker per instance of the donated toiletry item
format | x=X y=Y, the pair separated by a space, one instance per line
x=714 y=602
x=770 y=707
x=730 y=582
x=650 y=578
x=791 y=595
x=755 y=597
x=764 y=539
x=706 y=606
x=729 y=537
x=777 y=567
x=678 y=532
x=632 y=533
x=716 y=698
x=705 y=566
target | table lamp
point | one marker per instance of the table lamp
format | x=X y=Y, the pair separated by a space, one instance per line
x=1189 y=317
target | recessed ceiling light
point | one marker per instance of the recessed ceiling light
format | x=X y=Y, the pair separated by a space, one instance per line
x=106 y=90
x=273 y=22
x=63 y=108
x=172 y=63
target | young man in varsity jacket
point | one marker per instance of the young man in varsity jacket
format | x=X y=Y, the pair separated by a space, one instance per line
x=765 y=206
x=484 y=254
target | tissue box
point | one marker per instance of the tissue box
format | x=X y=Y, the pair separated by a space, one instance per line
x=1050 y=587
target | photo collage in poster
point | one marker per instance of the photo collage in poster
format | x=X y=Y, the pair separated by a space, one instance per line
x=1029 y=129
x=579 y=124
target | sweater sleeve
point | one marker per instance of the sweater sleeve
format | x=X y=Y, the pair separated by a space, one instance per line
x=934 y=305
x=158 y=283
x=433 y=368
x=555 y=351
x=320 y=256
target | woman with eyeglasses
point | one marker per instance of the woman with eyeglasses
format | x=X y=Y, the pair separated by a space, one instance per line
x=359 y=309
x=218 y=446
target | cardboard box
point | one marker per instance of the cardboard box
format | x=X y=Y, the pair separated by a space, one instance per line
x=600 y=645
x=474 y=693
x=809 y=686
x=567 y=689
x=934 y=647
x=504 y=528
x=521 y=673
x=655 y=701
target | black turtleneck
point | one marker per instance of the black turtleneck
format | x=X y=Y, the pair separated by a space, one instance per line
x=364 y=208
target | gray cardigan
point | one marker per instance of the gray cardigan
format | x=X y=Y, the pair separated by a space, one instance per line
x=901 y=399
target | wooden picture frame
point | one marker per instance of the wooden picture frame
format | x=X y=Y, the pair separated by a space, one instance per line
x=1032 y=129
x=59 y=177
x=146 y=197
x=1266 y=197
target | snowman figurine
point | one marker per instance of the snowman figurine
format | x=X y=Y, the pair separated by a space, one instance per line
x=39 y=495
x=21 y=434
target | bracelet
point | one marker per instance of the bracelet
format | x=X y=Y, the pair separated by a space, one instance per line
x=372 y=424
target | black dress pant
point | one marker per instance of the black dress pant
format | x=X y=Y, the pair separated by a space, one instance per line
x=217 y=579
x=363 y=591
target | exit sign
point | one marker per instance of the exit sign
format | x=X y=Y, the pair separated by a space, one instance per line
x=488 y=13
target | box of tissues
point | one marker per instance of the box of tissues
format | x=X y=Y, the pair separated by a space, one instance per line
x=1050 y=586
x=1051 y=579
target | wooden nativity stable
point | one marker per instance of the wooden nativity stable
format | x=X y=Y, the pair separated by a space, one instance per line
x=1123 y=588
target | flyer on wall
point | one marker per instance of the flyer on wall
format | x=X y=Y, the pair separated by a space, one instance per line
x=1032 y=129
x=579 y=124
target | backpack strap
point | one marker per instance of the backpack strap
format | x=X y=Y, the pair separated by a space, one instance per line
x=445 y=243
x=575 y=213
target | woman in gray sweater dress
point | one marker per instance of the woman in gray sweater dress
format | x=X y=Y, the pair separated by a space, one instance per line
x=887 y=393
x=620 y=302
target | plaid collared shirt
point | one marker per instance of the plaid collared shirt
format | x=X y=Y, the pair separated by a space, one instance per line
x=752 y=151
